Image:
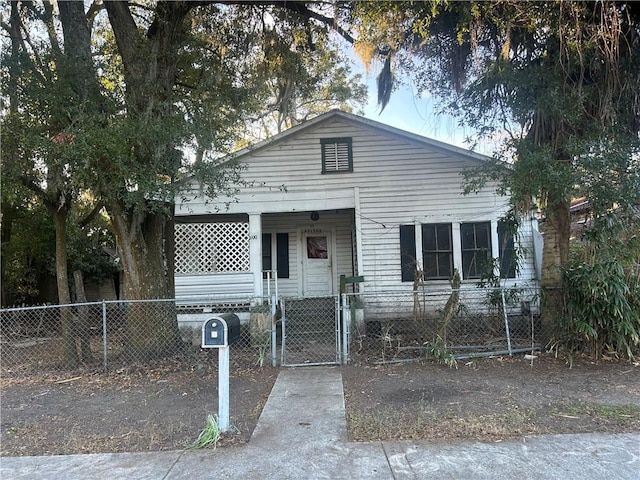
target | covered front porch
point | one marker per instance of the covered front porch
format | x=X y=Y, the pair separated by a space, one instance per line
x=291 y=254
x=265 y=267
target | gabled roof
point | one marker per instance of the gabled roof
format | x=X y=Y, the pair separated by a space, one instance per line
x=365 y=122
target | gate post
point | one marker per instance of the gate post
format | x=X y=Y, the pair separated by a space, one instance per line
x=274 y=339
x=506 y=321
x=345 y=330
x=104 y=337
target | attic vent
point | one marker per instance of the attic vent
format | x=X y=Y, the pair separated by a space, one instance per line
x=337 y=155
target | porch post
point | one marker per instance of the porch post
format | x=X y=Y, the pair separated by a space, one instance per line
x=418 y=237
x=358 y=220
x=495 y=247
x=255 y=252
x=457 y=248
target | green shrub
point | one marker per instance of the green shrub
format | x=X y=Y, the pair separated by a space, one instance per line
x=602 y=286
x=603 y=308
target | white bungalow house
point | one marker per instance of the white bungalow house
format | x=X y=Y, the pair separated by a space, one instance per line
x=343 y=195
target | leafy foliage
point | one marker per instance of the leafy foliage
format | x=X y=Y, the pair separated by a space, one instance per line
x=439 y=353
x=602 y=288
x=28 y=252
x=129 y=103
x=557 y=83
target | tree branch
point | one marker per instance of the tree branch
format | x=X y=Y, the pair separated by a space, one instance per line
x=95 y=7
x=125 y=31
x=47 y=18
x=91 y=215
x=301 y=9
x=34 y=187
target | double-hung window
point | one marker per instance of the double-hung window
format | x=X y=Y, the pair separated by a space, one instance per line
x=437 y=251
x=476 y=249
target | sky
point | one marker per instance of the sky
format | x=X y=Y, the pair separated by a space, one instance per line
x=416 y=115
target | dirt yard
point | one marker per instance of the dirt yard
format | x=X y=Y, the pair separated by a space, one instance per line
x=492 y=399
x=164 y=406
x=152 y=408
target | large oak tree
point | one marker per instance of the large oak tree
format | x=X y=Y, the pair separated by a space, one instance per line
x=127 y=100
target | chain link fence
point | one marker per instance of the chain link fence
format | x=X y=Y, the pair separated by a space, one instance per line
x=358 y=328
x=310 y=332
x=112 y=334
x=394 y=327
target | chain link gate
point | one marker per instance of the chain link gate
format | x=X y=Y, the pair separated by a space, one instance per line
x=311 y=333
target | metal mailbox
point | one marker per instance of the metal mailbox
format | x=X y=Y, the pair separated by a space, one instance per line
x=218 y=332
x=215 y=333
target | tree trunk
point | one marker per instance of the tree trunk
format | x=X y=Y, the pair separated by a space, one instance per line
x=150 y=66
x=555 y=256
x=170 y=252
x=152 y=327
x=84 y=325
x=69 y=352
x=6 y=224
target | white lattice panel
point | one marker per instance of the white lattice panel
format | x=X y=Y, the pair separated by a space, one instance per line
x=212 y=247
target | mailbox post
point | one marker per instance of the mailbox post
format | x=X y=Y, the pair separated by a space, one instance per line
x=215 y=334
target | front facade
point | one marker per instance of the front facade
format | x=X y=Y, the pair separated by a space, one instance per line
x=343 y=195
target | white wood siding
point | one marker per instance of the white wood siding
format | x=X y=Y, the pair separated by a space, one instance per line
x=191 y=288
x=398 y=180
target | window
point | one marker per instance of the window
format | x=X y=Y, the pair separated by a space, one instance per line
x=437 y=251
x=506 y=250
x=476 y=249
x=408 y=252
x=281 y=247
x=317 y=247
x=337 y=155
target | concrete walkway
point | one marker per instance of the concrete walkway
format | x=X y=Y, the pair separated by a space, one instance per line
x=302 y=434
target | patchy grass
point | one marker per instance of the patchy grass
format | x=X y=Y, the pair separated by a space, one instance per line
x=415 y=421
x=491 y=399
x=620 y=413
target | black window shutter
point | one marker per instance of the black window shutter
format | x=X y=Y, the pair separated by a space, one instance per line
x=408 y=252
x=282 y=240
x=266 y=251
x=506 y=249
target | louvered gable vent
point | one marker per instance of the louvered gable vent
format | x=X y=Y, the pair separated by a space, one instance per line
x=337 y=155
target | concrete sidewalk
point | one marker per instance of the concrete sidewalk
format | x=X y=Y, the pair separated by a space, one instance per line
x=302 y=434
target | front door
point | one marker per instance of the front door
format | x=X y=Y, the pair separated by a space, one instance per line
x=317 y=264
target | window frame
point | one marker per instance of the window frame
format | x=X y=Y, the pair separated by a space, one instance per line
x=438 y=252
x=326 y=143
x=474 y=250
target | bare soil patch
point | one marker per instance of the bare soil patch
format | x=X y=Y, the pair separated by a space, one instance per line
x=163 y=406
x=143 y=408
x=492 y=399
